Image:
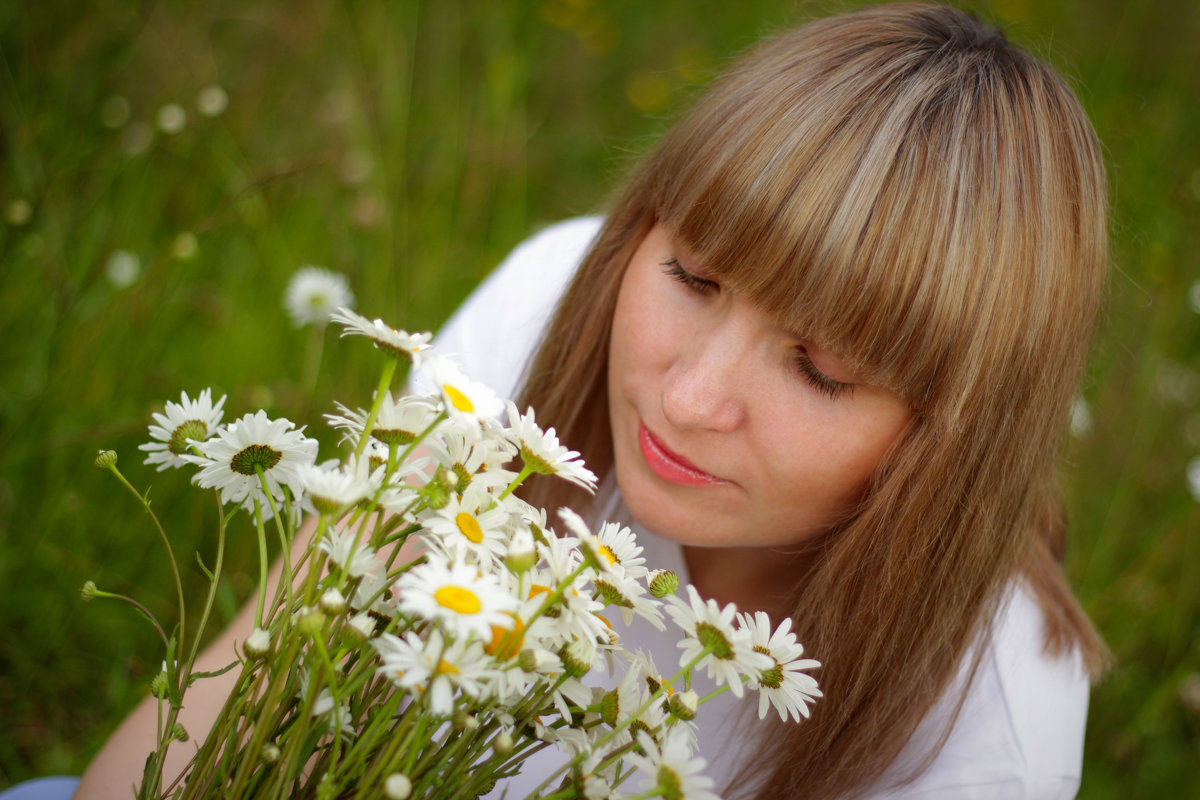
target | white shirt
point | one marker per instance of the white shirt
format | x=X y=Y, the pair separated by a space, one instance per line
x=1020 y=731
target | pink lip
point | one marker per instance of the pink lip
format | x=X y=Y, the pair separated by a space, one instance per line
x=671 y=466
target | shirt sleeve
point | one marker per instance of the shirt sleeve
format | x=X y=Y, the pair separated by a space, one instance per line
x=494 y=333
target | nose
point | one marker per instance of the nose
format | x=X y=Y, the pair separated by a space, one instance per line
x=704 y=388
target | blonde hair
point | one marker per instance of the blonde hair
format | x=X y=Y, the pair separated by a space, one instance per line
x=928 y=201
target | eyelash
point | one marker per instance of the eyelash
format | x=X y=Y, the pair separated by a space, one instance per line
x=693 y=282
x=819 y=380
x=804 y=364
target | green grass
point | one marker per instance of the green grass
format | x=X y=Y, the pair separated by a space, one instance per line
x=410 y=146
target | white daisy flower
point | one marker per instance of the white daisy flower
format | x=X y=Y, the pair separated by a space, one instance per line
x=591 y=549
x=230 y=460
x=388 y=339
x=314 y=293
x=187 y=420
x=630 y=598
x=457 y=597
x=400 y=421
x=782 y=684
x=462 y=396
x=711 y=630
x=618 y=545
x=473 y=457
x=472 y=528
x=437 y=668
x=332 y=490
x=541 y=452
x=671 y=769
x=355 y=561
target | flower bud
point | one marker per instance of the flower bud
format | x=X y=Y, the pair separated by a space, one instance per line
x=179 y=732
x=158 y=685
x=397 y=787
x=521 y=552
x=363 y=624
x=88 y=592
x=270 y=753
x=502 y=745
x=575 y=662
x=311 y=623
x=333 y=602
x=257 y=644
x=684 y=705
x=435 y=493
x=663 y=582
x=106 y=458
x=610 y=708
x=465 y=722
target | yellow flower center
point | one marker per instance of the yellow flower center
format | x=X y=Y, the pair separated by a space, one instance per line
x=507 y=643
x=459 y=400
x=604 y=551
x=458 y=599
x=468 y=526
x=446 y=668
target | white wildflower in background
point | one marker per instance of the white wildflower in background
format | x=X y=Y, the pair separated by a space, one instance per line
x=388 y=339
x=1193 y=477
x=184 y=246
x=671 y=769
x=182 y=422
x=783 y=685
x=1081 y=417
x=541 y=451
x=710 y=627
x=458 y=597
x=18 y=212
x=212 y=101
x=230 y=461
x=171 y=119
x=314 y=293
x=1194 y=296
x=122 y=269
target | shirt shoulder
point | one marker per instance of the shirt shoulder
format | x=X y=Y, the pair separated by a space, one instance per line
x=1019 y=733
x=496 y=330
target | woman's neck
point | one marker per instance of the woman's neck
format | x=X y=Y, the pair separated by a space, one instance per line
x=756 y=578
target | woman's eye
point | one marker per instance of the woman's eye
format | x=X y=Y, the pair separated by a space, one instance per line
x=688 y=279
x=817 y=379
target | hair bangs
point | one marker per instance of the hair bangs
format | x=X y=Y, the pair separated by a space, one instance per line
x=843 y=217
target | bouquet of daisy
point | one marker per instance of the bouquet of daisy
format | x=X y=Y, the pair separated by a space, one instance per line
x=431 y=630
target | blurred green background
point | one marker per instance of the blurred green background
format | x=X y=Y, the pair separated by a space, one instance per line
x=149 y=230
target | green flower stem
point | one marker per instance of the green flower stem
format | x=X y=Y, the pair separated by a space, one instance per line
x=285 y=582
x=212 y=589
x=603 y=740
x=262 y=564
x=385 y=380
x=415 y=443
x=167 y=544
x=145 y=612
x=525 y=472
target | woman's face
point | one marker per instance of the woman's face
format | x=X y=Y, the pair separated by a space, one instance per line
x=729 y=430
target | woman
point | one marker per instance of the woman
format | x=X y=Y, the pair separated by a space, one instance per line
x=826 y=342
